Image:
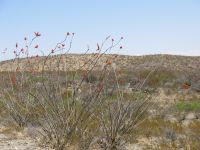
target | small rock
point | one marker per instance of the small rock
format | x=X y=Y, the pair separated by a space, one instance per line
x=198 y=115
x=135 y=147
x=171 y=118
x=169 y=84
x=186 y=122
x=190 y=116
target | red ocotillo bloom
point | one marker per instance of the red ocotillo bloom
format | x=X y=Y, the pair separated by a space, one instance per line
x=36 y=46
x=37 y=34
x=121 y=82
x=13 y=80
x=98 y=47
x=186 y=86
x=108 y=62
x=17 y=69
x=99 y=87
x=119 y=72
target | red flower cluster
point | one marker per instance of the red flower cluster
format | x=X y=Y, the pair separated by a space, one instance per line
x=99 y=87
x=36 y=46
x=119 y=72
x=121 y=81
x=108 y=62
x=13 y=80
x=17 y=69
x=37 y=34
x=98 y=47
x=185 y=86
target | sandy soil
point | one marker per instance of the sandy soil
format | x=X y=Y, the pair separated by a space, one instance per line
x=17 y=141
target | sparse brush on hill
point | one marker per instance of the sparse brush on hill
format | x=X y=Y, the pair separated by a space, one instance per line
x=71 y=104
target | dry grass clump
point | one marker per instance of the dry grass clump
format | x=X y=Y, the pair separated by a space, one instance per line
x=169 y=135
x=157 y=127
x=159 y=78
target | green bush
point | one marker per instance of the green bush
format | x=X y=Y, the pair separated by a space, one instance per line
x=158 y=78
x=188 y=106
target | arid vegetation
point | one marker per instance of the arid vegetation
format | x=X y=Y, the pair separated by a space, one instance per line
x=101 y=101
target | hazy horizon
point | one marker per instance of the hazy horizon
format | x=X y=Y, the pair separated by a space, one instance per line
x=148 y=27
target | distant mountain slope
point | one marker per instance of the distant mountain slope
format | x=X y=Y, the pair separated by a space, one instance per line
x=74 y=61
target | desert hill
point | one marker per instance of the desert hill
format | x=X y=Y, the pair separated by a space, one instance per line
x=74 y=61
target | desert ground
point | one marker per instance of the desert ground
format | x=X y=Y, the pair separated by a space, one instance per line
x=132 y=103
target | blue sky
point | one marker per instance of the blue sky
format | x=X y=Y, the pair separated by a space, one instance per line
x=148 y=26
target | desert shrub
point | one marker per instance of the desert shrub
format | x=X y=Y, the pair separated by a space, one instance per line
x=68 y=110
x=170 y=134
x=135 y=95
x=158 y=78
x=64 y=120
x=16 y=98
x=127 y=96
x=92 y=78
x=188 y=106
x=118 y=120
x=187 y=83
x=157 y=127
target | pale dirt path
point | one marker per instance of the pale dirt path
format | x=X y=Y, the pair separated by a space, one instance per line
x=17 y=141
